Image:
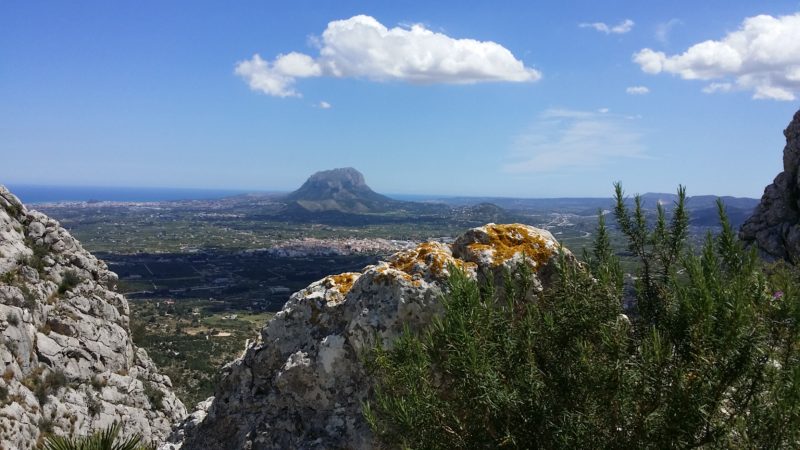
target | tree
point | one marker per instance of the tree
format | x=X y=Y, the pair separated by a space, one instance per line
x=712 y=361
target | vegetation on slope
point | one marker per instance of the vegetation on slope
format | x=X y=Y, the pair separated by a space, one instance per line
x=710 y=356
x=106 y=439
x=190 y=343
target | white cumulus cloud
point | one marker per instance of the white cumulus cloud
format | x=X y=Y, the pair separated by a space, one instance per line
x=362 y=47
x=762 y=56
x=265 y=77
x=620 y=28
x=562 y=139
x=324 y=105
x=637 y=90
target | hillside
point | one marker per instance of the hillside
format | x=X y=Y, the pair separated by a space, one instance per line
x=70 y=364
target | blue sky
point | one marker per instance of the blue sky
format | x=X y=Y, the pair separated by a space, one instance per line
x=546 y=99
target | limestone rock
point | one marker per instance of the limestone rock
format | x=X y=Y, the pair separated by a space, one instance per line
x=774 y=227
x=69 y=364
x=301 y=385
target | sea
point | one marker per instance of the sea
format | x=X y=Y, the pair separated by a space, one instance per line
x=31 y=194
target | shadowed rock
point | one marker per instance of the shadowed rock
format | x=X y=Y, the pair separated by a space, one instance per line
x=774 y=227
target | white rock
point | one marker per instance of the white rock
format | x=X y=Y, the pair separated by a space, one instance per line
x=84 y=335
x=303 y=385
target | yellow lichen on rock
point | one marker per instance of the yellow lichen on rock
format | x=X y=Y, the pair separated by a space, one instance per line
x=342 y=282
x=505 y=241
x=430 y=257
x=386 y=273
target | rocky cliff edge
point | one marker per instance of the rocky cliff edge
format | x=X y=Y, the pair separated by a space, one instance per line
x=69 y=366
x=774 y=227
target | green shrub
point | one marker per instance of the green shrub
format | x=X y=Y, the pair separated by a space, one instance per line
x=94 y=405
x=712 y=359
x=69 y=280
x=51 y=383
x=12 y=319
x=8 y=277
x=14 y=210
x=45 y=425
x=28 y=295
x=154 y=395
x=107 y=439
x=36 y=259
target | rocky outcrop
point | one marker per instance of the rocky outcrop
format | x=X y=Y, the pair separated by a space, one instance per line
x=302 y=384
x=69 y=364
x=774 y=227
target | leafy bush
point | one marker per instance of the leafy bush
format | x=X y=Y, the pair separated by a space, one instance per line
x=36 y=259
x=94 y=405
x=43 y=387
x=153 y=394
x=102 y=440
x=45 y=425
x=69 y=280
x=8 y=277
x=711 y=360
x=13 y=209
x=28 y=295
x=12 y=319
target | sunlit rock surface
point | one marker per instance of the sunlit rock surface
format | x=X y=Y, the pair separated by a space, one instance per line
x=69 y=365
x=302 y=384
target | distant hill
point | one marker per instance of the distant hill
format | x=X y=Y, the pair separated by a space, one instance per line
x=342 y=190
x=702 y=205
x=698 y=202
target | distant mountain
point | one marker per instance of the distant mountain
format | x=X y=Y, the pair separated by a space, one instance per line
x=342 y=190
x=698 y=202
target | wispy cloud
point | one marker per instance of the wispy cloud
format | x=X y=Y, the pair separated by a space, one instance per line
x=762 y=56
x=717 y=87
x=362 y=47
x=564 y=140
x=637 y=90
x=324 y=105
x=664 y=29
x=620 y=28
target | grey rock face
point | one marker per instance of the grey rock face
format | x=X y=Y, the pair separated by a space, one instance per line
x=301 y=385
x=69 y=364
x=774 y=227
